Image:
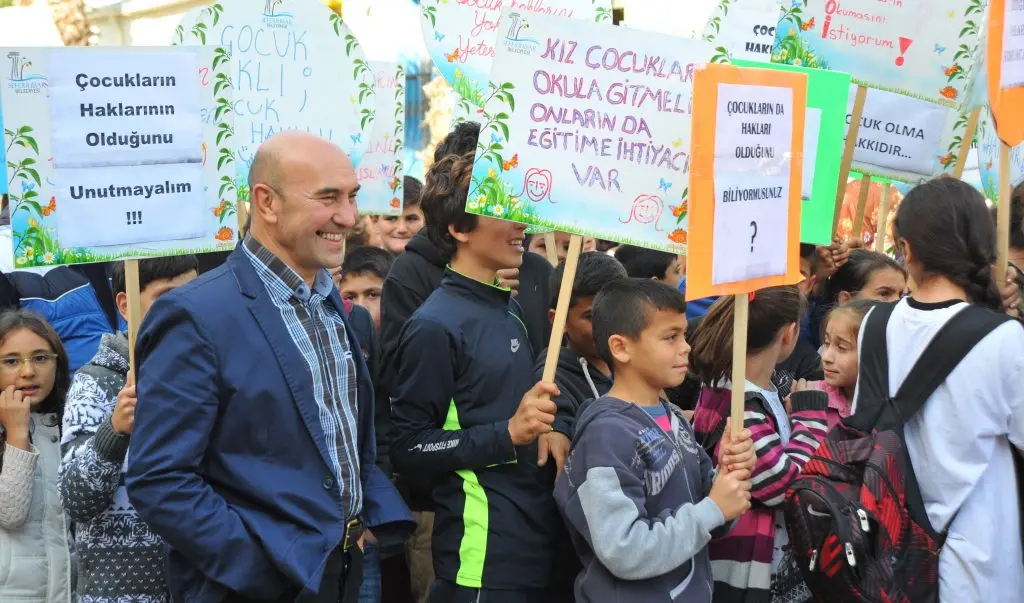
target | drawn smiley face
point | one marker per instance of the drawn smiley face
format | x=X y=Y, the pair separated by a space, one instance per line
x=647 y=208
x=537 y=184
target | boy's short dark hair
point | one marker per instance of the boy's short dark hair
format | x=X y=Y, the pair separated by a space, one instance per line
x=154 y=269
x=624 y=308
x=444 y=201
x=412 y=189
x=366 y=259
x=594 y=271
x=644 y=263
x=459 y=141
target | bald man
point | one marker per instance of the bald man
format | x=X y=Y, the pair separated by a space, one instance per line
x=253 y=450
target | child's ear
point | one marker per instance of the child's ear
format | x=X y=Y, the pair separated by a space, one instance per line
x=790 y=335
x=621 y=351
x=844 y=296
x=121 y=300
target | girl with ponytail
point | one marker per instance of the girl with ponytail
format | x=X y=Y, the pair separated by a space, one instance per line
x=962 y=442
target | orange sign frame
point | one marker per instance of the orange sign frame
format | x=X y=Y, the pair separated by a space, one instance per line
x=1007 y=105
x=702 y=169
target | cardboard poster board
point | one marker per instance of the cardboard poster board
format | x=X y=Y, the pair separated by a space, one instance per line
x=743 y=29
x=587 y=131
x=381 y=171
x=110 y=156
x=747 y=150
x=1005 y=61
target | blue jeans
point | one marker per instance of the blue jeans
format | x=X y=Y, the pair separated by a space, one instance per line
x=369 y=591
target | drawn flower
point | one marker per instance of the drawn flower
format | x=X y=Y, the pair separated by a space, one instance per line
x=22 y=260
x=678 y=211
x=491 y=173
x=224 y=234
x=797 y=62
x=783 y=54
x=29 y=252
x=953 y=70
x=32 y=223
x=948 y=92
x=458 y=73
x=473 y=205
x=217 y=211
x=678 y=236
x=945 y=160
x=48 y=258
x=498 y=210
x=395 y=203
x=792 y=32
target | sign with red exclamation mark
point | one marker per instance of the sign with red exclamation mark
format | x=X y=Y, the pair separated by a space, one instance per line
x=904 y=45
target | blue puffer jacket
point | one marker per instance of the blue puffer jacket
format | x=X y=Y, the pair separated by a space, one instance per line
x=67 y=299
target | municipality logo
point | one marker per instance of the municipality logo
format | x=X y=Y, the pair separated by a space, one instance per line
x=273 y=17
x=22 y=79
x=516 y=40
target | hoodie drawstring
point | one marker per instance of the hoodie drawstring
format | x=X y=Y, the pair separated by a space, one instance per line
x=590 y=380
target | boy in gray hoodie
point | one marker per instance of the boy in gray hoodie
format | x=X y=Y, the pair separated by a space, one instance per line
x=638 y=493
x=119 y=559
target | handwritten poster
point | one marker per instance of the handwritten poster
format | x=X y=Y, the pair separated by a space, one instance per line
x=748 y=155
x=3 y=153
x=1005 y=68
x=587 y=131
x=920 y=48
x=381 y=172
x=110 y=157
x=743 y=29
x=460 y=34
x=292 y=65
x=905 y=138
x=824 y=132
x=988 y=158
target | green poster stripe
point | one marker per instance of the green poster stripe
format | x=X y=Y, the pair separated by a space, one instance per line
x=473 y=548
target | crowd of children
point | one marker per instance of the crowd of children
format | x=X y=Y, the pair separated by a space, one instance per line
x=624 y=479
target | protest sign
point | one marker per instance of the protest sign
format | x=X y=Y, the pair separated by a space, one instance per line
x=460 y=34
x=292 y=65
x=988 y=158
x=743 y=29
x=1005 y=61
x=381 y=172
x=919 y=48
x=587 y=131
x=747 y=151
x=109 y=156
x=827 y=95
x=904 y=138
x=3 y=152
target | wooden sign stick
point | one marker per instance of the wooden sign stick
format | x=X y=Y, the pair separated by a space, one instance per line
x=965 y=144
x=134 y=293
x=562 y=309
x=851 y=144
x=862 y=205
x=1003 y=215
x=739 y=360
x=551 y=248
x=883 y=218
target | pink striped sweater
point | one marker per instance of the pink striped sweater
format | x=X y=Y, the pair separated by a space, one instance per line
x=742 y=559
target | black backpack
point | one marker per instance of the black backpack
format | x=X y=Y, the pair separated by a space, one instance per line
x=856 y=519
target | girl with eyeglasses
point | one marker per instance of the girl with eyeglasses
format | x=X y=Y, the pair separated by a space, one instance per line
x=34 y=379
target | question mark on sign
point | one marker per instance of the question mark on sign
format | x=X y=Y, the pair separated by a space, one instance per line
x=754 y=226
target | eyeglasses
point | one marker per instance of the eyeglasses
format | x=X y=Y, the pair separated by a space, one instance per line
x=38 y=361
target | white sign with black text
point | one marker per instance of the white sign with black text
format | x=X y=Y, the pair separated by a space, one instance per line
x=753 y=149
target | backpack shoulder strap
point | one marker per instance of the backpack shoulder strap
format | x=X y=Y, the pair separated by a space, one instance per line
x=947 y=349
x=873 y=373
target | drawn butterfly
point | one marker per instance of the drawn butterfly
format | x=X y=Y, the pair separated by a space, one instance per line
x=511 y=163
x=52 y=207
x=677 y=143
x=808 y=25
x=439 y=36
x=988 y=165
x=356 y=138
x=27 y=186
x=384 y=168
x=494 y=138
x=453 y=56
x=939 y=49
x=664 y=185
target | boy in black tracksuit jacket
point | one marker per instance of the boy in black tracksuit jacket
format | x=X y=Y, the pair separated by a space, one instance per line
x=581 y=377
x=465 y=414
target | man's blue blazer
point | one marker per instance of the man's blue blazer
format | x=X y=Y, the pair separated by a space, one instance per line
x=228 y=461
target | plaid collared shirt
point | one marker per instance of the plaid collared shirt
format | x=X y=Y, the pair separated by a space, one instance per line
x=316 y=327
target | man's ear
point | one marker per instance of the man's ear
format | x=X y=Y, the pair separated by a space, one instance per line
x=551 y=316
x=461 y=237
x=261 y=202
